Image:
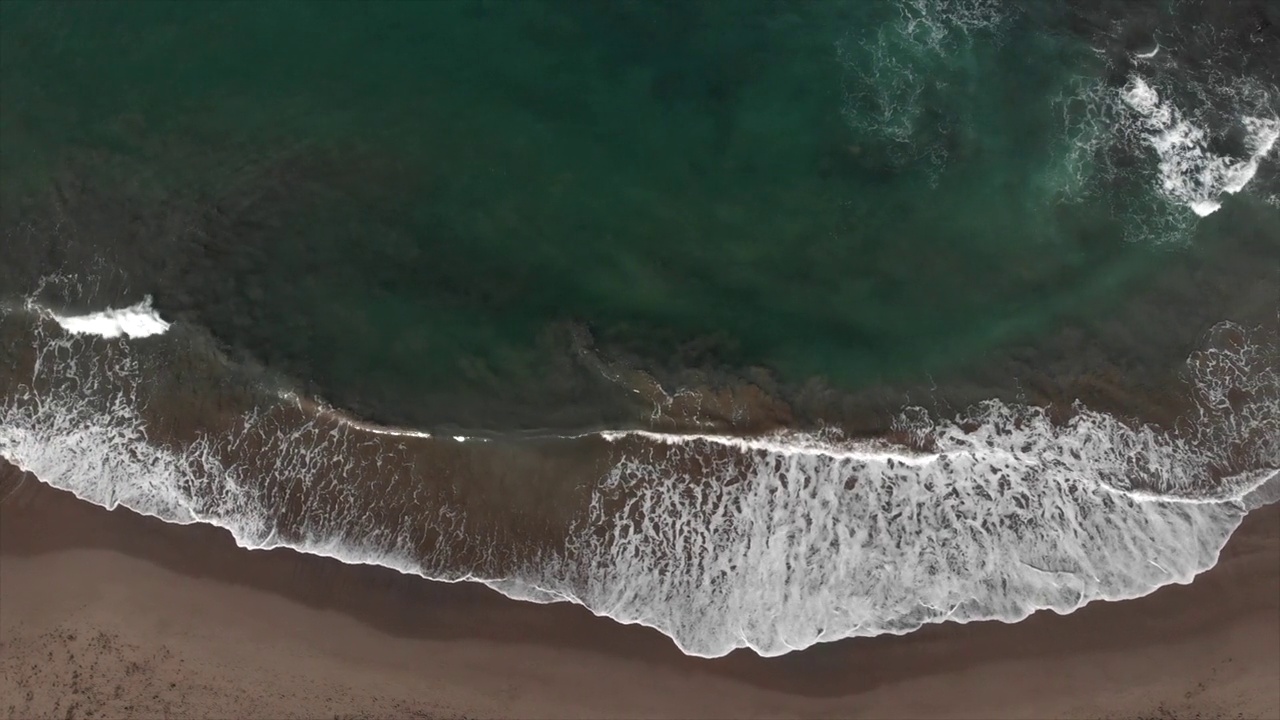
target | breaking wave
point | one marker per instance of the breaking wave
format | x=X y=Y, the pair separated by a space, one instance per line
x=1162 y=133
x=135 y=321
x=771 y=544
x=1190 y=174
x=1177 y=123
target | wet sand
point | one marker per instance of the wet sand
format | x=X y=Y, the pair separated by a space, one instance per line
x=110 y=614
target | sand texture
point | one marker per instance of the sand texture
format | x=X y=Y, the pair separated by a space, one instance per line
x=108 y=614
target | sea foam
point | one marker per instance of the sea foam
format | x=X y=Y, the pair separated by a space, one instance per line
x=135 y=321
x=788 y=550
x=721 y=543
x=1190 y=173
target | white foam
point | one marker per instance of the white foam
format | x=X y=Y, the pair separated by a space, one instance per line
x=767 y=546
x=1016 y=516
x=783 y=443
x=135 y=321
x=1190 y=173
x=1190 y=177
x=777 y=554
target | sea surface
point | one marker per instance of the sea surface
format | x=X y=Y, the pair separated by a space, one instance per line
x=763 y=324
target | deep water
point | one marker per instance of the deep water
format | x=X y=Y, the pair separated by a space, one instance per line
x=432 y=212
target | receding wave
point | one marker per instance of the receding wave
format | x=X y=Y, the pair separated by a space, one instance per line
x=772 y=543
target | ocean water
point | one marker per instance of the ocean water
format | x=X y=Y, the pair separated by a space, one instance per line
x=762 y=324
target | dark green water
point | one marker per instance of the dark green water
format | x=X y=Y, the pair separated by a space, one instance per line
x=407 y=206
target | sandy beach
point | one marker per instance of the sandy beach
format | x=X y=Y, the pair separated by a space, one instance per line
x=110 y=614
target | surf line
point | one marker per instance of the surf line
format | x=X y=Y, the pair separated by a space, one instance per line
x=141 y=320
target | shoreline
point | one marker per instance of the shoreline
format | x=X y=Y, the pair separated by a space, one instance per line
x=454 y=511
x=1141 y=657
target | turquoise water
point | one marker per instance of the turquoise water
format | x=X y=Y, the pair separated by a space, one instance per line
x=409 y=207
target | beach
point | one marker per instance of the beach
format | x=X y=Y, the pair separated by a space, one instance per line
x=108 y=613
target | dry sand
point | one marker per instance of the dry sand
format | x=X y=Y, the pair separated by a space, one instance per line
x=109 y=614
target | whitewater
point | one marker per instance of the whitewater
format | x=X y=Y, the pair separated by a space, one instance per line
x=772 y=544
x=135 y=321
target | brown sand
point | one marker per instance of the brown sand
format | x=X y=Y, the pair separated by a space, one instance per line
x=109 y=614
